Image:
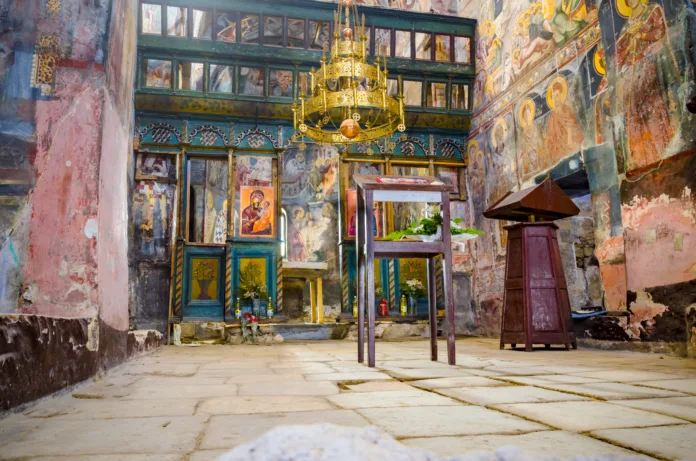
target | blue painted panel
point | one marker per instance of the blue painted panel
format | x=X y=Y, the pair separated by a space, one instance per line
x=203 y=309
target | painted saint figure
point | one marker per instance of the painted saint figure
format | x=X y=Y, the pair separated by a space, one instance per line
x=564 y=136
x=533 y=151
x=221 y=225
x=642 y=92
x=210 y=220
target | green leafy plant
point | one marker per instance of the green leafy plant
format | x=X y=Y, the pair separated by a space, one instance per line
x=429 y=225
x=250 y=284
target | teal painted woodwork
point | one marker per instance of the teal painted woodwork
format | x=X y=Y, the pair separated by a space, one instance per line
x=204 y=295
x=243 y=253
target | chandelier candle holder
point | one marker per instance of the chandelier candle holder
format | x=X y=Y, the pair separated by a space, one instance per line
x=348 y=100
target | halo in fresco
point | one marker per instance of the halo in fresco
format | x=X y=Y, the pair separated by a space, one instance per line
x=625 y=10
x=599 y=61
x=564 y=94
x=527 y=103
x=499 y=124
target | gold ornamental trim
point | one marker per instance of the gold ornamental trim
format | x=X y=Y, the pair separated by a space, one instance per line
x=335 y=137
x=337 y=70
x=348 y=48
x=346 y=98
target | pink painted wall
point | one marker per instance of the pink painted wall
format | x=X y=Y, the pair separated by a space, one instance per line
x=116 y=147
x=60 y=272
x=69 y=242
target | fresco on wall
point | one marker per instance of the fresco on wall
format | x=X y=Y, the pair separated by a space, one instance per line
x=251 y=81
x=249 y=28
x=273 y=30
x=406 y=214
x=207 y=195
x=227 y=27
x=281 y=83
x=151 y=19
x=221 y=78
x=310 y=200
x=152 y=216
x=549 y=124
x=296 y=33
x=449 y=176
x=318 y=34
x=351 y=213
x=647 y=75
x=158 y=73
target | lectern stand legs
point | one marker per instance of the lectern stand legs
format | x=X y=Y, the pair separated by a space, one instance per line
x=432 y=308
x=360 y=237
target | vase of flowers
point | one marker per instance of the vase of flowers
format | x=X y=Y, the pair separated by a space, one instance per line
x=254 y=293
x=413 y=289
x=204 y=273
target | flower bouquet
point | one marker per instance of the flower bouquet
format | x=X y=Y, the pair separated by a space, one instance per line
x=249 y=319
x=412 y=289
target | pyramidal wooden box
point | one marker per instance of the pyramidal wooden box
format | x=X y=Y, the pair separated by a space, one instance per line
x=536 y=306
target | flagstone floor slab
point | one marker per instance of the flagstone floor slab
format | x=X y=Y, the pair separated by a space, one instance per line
x=626 y=376
x=252 y=379
x=114 y=408
x=586 y=416
x=348 y=377
x=318 y=388
x=508 y=394
x=668 y=442
x=442 y=421
x=679 y=407
x=108 y=436
x=262 y=404
x=545 y=380
x=412 y=398
x=614 y=391
x=230 y=431
x=181 y=392
x=679 y=385
x=460 y=381
x=557 y=443
x=427 y=373
x=381 y=386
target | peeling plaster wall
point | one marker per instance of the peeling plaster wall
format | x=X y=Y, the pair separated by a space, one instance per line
x=66 y=121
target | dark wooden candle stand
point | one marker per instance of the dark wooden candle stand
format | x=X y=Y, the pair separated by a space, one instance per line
x=370 y=190
x=536 y=307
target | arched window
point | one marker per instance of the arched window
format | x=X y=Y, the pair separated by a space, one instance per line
x=283 y=228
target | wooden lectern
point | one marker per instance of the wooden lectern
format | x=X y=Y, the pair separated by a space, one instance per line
x=402 y=189
x=536 y=307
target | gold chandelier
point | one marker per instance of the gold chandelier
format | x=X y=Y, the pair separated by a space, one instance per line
x=348 y=100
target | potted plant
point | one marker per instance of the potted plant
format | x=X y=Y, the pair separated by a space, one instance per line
x=255 y=292
x=429 y=228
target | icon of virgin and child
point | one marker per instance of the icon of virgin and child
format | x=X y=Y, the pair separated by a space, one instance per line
x=257 y=212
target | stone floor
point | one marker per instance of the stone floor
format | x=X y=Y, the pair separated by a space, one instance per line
x=194 y=403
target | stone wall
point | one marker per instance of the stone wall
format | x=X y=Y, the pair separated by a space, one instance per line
x=66 y=117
